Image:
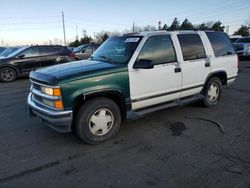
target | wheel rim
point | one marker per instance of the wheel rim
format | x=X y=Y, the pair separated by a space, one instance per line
x=7 y=75
x=101 y=122
x=213 y=92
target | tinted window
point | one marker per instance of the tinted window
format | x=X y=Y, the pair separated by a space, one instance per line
x=44 y=50
x=221 y=43
x=191 y=46
x=87 y=49
x=30 y=52
x=243 y=40
x=158 y=49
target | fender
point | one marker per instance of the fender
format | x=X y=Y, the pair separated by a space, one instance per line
x=11 y=66
x=114 y=94
x=219 y=73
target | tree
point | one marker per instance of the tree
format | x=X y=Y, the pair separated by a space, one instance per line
x=105 y=37
x=149 y=28
x=75 y=43
x=243 y=30
x=202 y=26
x=217 y=26
x=86 y=40
x=175 y=24
x=186 y=24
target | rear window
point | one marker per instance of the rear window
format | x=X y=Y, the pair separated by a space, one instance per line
x=191 y=46
x=221 y=43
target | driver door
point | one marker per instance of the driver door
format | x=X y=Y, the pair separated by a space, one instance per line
x=162 y=83
x=28 y=60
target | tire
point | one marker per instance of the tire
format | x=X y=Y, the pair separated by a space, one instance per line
x=212 y=92
x=98 y=120
x=7 y=74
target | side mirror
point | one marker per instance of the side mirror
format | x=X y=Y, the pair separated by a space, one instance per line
x=143 y=64
x=21 y=56
x=83 y=51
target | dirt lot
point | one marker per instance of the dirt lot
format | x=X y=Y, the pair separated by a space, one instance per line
x=164 y=149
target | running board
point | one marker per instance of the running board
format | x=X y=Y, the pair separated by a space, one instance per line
x=178 y=102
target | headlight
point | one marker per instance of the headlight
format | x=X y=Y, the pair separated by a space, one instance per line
x=51 y=91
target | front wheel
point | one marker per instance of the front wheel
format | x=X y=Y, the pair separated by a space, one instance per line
x=212 y=92
x=98 y=120
x=7 y=74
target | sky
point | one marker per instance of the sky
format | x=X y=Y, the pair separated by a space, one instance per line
x=40 y=22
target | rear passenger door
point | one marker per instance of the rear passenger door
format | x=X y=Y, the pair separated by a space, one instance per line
x=48 y=55
x=195 y=65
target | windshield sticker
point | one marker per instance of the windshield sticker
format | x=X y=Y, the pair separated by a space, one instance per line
x=132 y=39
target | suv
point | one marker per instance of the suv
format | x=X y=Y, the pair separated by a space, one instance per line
x=85 y=51
x=131 y=75
x=242 y=47
x=26 y=59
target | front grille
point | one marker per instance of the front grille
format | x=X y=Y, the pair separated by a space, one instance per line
x=40 y=98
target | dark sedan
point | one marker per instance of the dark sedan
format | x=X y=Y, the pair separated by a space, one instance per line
x=26 y=59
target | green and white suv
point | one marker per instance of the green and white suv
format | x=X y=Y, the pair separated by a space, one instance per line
x=131 y=75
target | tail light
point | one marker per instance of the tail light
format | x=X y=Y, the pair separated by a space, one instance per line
x=72 y=55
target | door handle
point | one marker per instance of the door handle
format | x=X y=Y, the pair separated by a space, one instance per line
x=207 y=64
x=178 y=69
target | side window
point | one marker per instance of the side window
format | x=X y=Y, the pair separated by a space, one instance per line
x=30 y=52
x=158 y=49
x=55 y=49
x=44 y=50
x=88 y=49
x=191 y=46
x=221 y=44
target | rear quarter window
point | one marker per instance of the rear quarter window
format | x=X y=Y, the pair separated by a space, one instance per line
x=221 y=43
x=191 y=46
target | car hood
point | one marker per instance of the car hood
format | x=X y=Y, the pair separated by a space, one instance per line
x=74 y=70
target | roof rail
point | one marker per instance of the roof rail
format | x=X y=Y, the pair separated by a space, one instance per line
x=169 y=29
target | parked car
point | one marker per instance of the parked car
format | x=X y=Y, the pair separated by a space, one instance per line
x=26 y=59
x=129 y=76
x=2 y=49
x=85 y=51
x=233 y=38
x=71 y=48
x=8 y=51
x=242 y=47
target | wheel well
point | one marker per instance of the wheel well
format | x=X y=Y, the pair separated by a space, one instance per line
x=14 y=68
x=221 y=75
x=116 y=96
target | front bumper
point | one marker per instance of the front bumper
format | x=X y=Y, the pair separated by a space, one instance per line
x=61 y=121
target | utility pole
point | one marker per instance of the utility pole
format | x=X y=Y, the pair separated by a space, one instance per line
x=64 y=29
x=133 y=28
x=76 y=33
x=2 y=42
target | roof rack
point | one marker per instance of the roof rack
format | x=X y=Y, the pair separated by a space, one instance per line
x=169 y=29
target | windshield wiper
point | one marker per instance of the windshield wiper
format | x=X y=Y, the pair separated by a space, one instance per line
x=107 y=59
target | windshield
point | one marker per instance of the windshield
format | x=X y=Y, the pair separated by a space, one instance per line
x=17 y=52
x=8 y=51
x=243 y=40
x=117 y=49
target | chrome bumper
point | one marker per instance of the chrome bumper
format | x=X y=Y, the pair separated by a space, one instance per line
x=59 y=120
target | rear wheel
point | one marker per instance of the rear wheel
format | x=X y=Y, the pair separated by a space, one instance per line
x=98 y=120
x=7 y=74
x=212 y=92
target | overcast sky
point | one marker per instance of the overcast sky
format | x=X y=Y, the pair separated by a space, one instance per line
x=36 y=22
